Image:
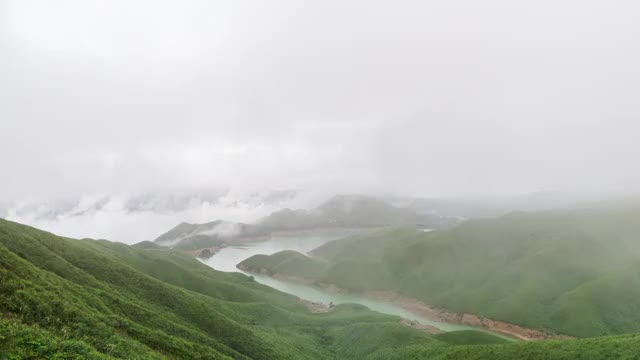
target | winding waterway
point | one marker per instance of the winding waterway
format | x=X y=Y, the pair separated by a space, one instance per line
x=227 y=259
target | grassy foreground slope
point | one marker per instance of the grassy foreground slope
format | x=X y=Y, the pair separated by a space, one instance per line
x=571 y=272
x=84 y=299
x=624 y=347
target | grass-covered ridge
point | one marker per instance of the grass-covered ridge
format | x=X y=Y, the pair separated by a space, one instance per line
x=84 y=299
x=469 y=337
x=570 y=272
x=64 y=298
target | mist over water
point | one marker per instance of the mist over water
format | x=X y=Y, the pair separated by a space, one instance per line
x=131 y=218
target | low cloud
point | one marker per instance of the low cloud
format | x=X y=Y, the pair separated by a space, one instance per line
x=427 y=98
x=131 y=219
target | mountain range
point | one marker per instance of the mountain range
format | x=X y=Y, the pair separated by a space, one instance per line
x=343 y=212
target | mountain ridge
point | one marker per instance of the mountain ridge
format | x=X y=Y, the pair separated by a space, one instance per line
x=341 y=211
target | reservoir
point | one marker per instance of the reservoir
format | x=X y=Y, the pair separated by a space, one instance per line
x=227 y=259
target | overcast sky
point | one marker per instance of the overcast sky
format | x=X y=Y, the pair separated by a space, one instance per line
x=417 y=97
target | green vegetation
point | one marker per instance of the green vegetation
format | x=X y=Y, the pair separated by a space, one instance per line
x=62 y=298
x=624 y=347
x=148 y=245
x=287 y=262
x=569 y=272
x=469 y=337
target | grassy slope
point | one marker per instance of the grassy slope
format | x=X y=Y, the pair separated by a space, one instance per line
x=469 y=337
x=63 y=298
x=576 y=272
x=625 y=347
x=83 y=299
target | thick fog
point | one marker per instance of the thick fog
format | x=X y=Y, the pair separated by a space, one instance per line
x=117 y=99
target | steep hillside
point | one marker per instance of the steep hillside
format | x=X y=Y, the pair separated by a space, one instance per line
x=84 y=299
x=570 y=272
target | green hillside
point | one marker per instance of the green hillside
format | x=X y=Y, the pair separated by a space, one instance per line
x=84 y=299
x=570 y=272
x=625 y=347
x=469 y=337
x=62 y=298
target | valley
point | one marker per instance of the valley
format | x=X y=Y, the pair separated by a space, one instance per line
x=148 y=301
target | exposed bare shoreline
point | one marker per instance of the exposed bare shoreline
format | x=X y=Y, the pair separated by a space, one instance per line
x=423 y=309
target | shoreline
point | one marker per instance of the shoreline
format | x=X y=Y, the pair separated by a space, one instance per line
x=421 y=308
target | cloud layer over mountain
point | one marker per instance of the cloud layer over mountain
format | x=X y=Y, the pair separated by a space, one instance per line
x=416 y=97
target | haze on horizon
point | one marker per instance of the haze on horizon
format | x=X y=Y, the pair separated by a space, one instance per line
x=420 y=98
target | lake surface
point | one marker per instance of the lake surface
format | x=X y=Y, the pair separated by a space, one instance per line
x=227 y=259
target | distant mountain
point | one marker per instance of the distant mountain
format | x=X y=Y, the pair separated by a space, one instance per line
x=197 y=236
x=131 y=217
x=492 y=206
x=344 y=211
x=350 y=211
